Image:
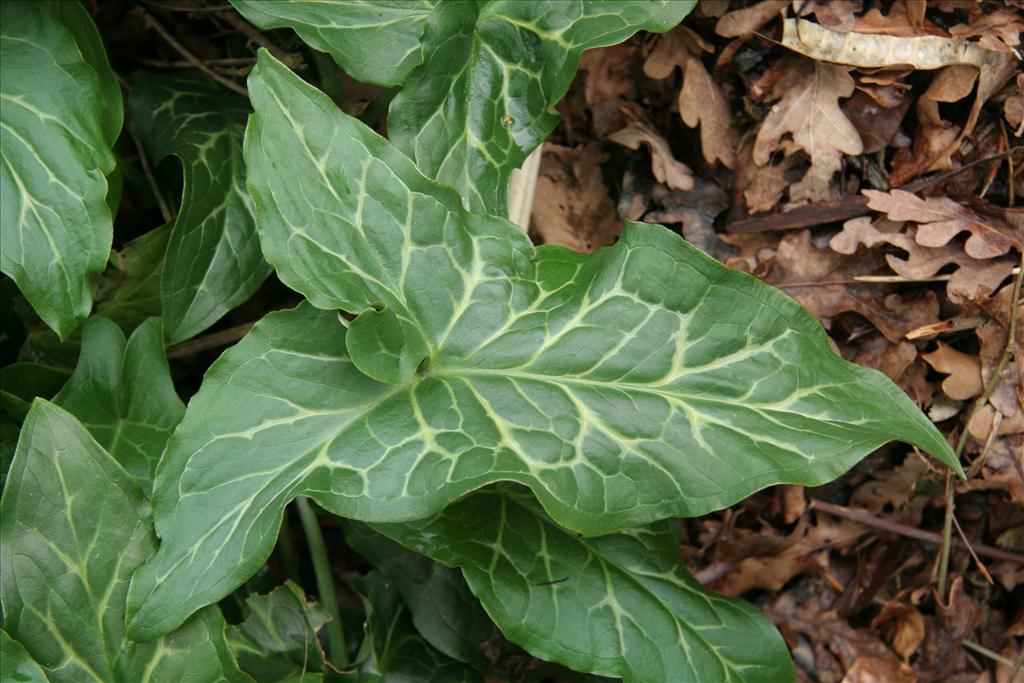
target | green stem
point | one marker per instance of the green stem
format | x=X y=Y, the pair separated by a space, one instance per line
x=1004 y=359
x=324 y=583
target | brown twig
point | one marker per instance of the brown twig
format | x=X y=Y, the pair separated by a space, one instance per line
x=192 y=59
x=166 y=212
x=1008 y=350
x=209 y=341
x=846 y=208
x=867 y=519
x=254 y=34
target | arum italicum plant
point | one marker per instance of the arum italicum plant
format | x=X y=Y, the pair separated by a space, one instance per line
x=531 y=419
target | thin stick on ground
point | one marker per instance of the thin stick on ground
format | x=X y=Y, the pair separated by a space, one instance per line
x=151 y=21
x=1004 y=359
x=166 y=212
x=867 y=519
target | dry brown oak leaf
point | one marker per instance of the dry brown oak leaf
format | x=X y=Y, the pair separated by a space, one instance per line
x=664 y=165
x=805 y=273
x=973 y=278
x=809 y=111
x=941 y=219
x=701 y=101
x=572 y=206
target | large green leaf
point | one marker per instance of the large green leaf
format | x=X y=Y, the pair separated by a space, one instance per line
x=20 y=383
x=489 y=72
x=213 y=261
x=641 y=382
x=392 y=649
x=618 y=605
x=75 y=526
x=374 y=41
x=57 y=125
x=16 y=664
x=129 y=292
x=123 y=394
x=443 y=609
x=277 y=641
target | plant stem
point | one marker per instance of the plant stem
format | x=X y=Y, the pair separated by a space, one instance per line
x=324 y=583
x=982 y=650
x=1008 y=350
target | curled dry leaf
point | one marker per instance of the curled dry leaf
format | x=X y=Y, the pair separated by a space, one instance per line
x=571 y=205
x=666 y=169
x=701 y=101
x=875 y=123
x=900 y=21
x=1013 y=107
x=763 y=185
x=696 y=210
x=963 y=371
x=1004 y=470
x=609 y=77
x=898 y=361
x=803 y=272
x=952 y=83
x=941 y=651
x=942 y=218
x=768 y=560
x=890 y=493
x=878 y=670
x=879 y=51
x=837 y=14
x=809 y=111
x=832 y=635
x=998 y=30
x=742 y=23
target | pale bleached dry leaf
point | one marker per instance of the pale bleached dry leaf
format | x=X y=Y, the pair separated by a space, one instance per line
x=879 y=51
x=571 y=205
x=809 y=111
x=664 y=165
x=701 y=101
x=742 y=23
x=941 y=219
x=963 y=370
x=675 y=49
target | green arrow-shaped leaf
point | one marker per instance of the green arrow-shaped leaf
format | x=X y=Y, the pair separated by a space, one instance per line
x=392 y=649
x=375 y=42
x=213 y=260
x=489 y=73
x=642 y=382
x=442 y=607
x=61 y=113
x=123 y=394
x=75 y=526
x=16 y=664
x=277 y=641
x=618 y=605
